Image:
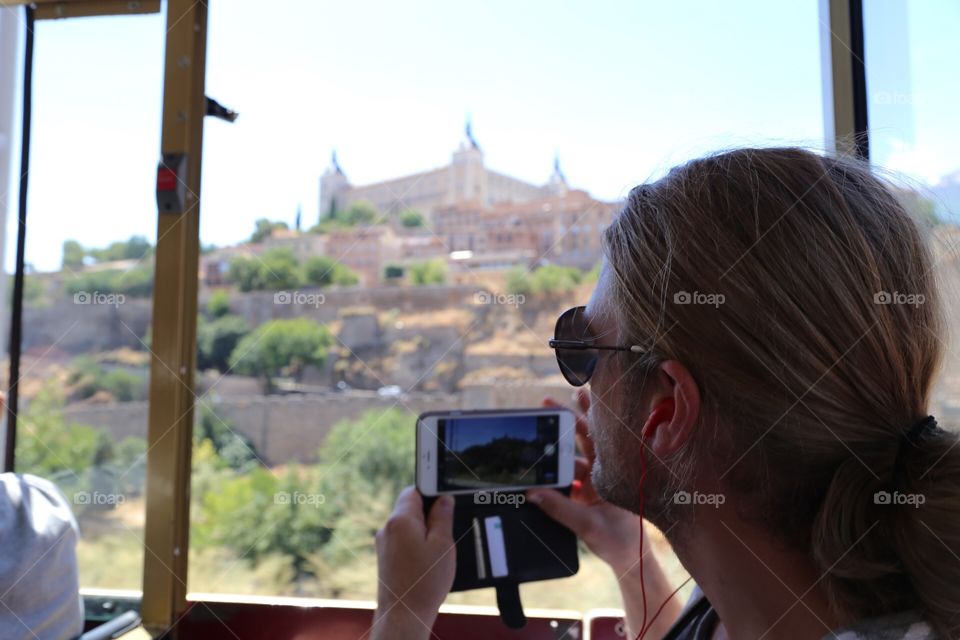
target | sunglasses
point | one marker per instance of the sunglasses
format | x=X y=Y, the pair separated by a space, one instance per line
x=577 y=352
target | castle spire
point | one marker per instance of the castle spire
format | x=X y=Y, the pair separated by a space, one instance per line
x=334 y=165
x=470 y=140
x=557 y=184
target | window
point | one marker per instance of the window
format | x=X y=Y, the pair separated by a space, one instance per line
x=297 y=463
x=82 y=419
x=911 y=52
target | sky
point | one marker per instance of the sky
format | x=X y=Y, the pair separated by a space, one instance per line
x=620 y=91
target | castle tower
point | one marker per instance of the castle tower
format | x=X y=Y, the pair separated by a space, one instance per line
x=333 y=187
x=468 y=176
x=557 y=184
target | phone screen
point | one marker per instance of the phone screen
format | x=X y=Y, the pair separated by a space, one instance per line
x=495 y=451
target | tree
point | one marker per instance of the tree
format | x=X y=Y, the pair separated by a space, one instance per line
x=234 y=449
x=216 y=340
x=218 y=305
x=264 y=228
x=393 y=272
x=553 y=278
x=136 y=282
x=548 y=279
x=411 y=218
x=73 y=254
x=245 y=273
x=429 y=272
x=299 y=514
x=358 y=213
x=324 y=271
x=136 y=248
x=47 y=446
x=282 y=347
x=277 y=268
x=88 y=377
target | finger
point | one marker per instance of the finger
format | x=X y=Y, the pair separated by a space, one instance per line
x=585 y=493
x=583 y=400
x=409 y=504
x=551 y=402
x=583 y=438
x=440 y=520
x=575 y=517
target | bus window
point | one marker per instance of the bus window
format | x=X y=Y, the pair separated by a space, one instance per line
x=82 y=419
x=410 y=195
x=910 y=52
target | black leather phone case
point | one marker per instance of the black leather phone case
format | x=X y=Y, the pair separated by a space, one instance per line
x=534 y=545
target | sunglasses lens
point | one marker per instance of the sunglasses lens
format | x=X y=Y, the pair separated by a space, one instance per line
x=576 y=365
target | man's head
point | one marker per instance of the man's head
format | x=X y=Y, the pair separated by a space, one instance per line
x=790 y=326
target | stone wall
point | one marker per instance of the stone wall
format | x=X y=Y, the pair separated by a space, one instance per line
x=291 y=428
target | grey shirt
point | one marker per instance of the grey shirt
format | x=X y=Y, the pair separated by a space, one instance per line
x=39 y=584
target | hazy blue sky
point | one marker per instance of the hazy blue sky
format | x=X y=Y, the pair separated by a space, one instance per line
x=621 y=90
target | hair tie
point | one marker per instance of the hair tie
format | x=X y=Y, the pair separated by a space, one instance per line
x=913 y=437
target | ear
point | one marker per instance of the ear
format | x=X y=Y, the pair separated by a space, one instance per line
x=673 y=411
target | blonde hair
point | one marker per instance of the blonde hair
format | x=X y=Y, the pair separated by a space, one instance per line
x=801 y=295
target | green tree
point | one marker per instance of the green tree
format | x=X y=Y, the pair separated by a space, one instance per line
x=324 y=271
x=234 y=449
x=73 y=254
x=218 y=305
x=216 y=340
x=429 y=272
x=548 y=279
x=245 y=273
x=358 y=213
x=279 y=269
x=411 y=218
x=87 y=377
x=518 y=281
x=363 y=464
x=553 y=278
x=136 y=248
x=46 y=445
x=264 y=228
x=282 y=347
x=393 y=272
x=135 y=283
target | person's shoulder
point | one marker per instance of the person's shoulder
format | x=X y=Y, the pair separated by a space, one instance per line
x=26 y=498
x=905 y=625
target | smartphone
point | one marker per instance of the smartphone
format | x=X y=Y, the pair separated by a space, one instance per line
x=503 y=450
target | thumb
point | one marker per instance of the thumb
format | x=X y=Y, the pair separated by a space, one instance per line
x=572 y=515
x=440 y=520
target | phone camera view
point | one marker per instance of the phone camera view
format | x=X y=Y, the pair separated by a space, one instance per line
x=497 y=451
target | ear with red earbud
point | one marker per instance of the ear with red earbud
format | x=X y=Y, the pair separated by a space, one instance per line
x=663 y=412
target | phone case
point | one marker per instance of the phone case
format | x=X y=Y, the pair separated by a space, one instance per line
x=501 y=540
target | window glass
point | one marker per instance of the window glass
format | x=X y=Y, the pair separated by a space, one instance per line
x=91 y=230
x=410 y=196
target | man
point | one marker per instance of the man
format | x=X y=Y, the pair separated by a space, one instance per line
x=761 y=348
